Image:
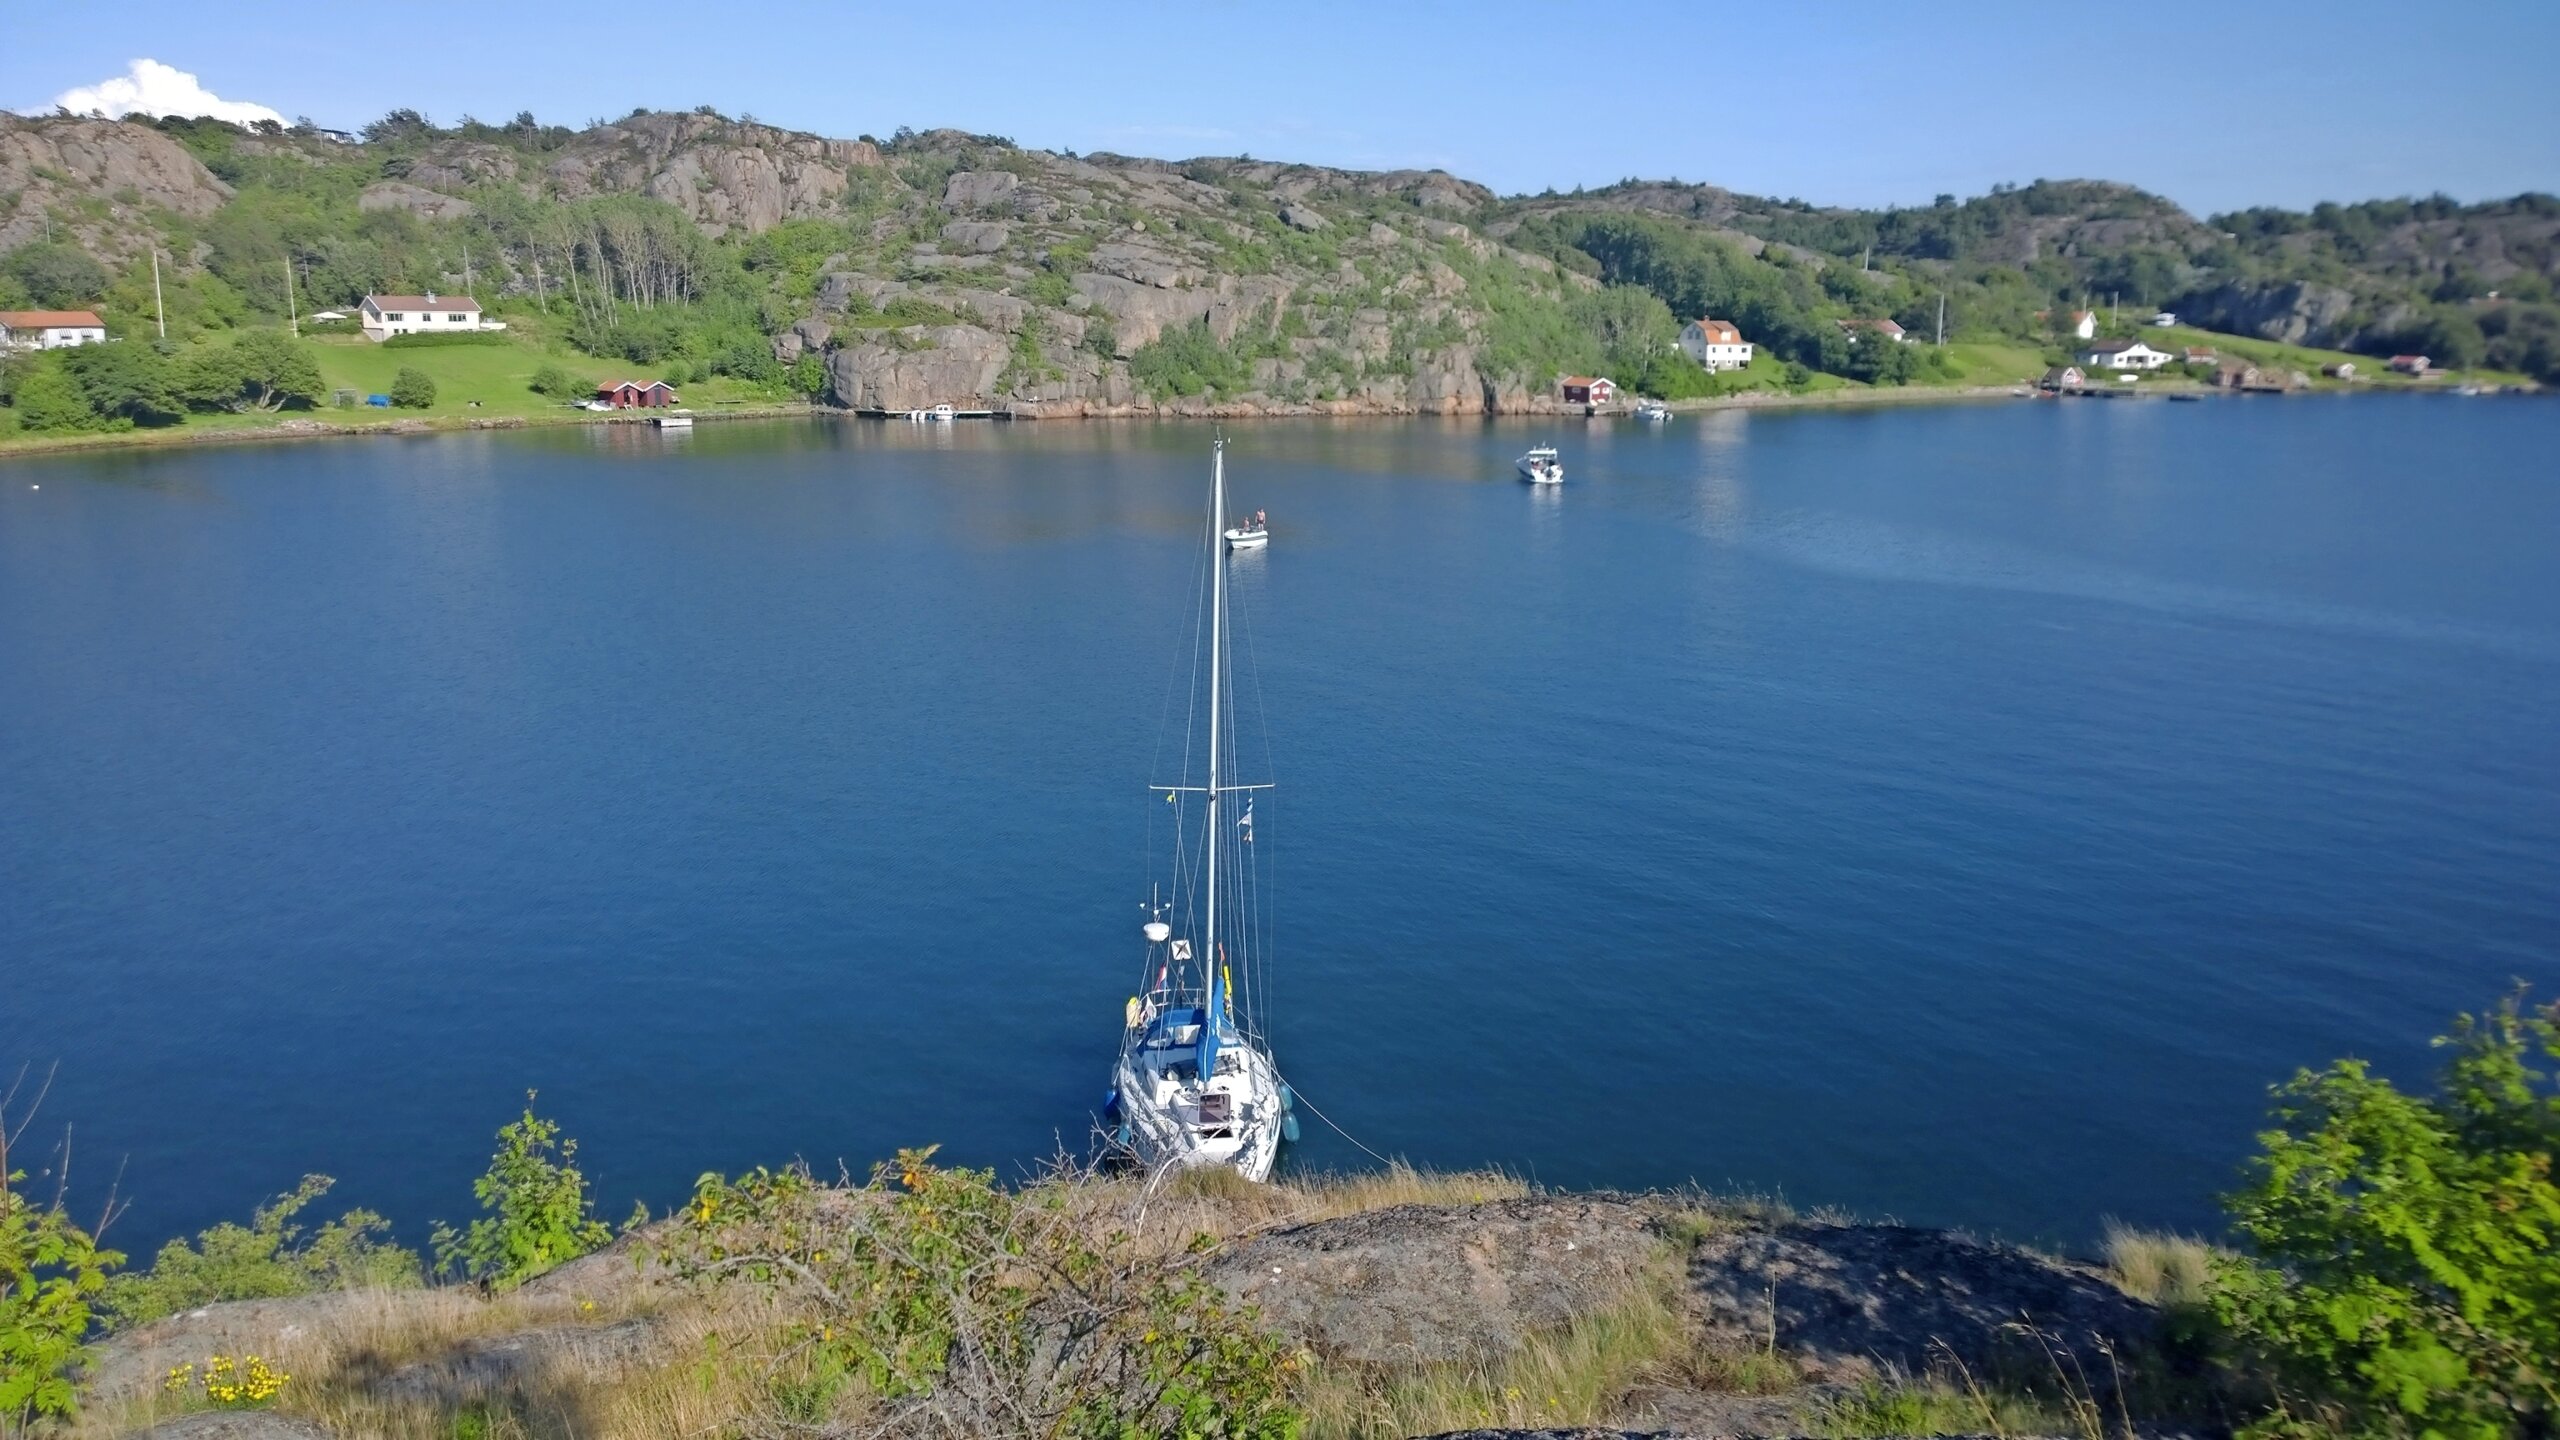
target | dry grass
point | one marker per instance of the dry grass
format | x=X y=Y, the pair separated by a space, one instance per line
x=2172 y=1271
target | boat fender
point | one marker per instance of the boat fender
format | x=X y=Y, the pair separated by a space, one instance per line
x=1111 y=1104
x=1135 y=1012
x=1288 y=1097
x=1289 y=1126
x=1122 y=1135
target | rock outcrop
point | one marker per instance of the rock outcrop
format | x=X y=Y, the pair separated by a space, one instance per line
x=2298 y=313
x=58 y=161
x=1852 y=1299
x=726 y=174
x=917 y=368
x=1420 y=1285
x=418 y=200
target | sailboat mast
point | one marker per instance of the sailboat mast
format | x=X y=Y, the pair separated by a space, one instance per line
x=1217 y=683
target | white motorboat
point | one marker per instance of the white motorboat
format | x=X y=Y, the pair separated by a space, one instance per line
x=1251 y=535
x=939 y=413
x=1195 y=1085
x=675 y=421
x=1541 y=467
x=1652 y=411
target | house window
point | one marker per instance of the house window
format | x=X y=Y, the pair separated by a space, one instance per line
x=455 y=318
x=395 y=316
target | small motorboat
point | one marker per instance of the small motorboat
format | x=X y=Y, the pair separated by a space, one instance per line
x=1251 y=535
x=1652 y=412
x=1541 y=467
x=676 y=420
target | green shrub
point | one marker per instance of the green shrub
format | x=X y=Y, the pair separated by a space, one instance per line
x=1000 y=1305
x=2411 y=1244
x=541 y=1216
x=267 y=1258
x=413 y=389
x=557 y=382
x=51 y=1271
x=436 y=339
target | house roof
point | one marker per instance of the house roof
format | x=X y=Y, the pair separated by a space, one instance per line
x=1883 y=327
x=1719 y=332
x=2084 y=314
x=422 y=302
x=2060 y=371
x=2117 y=347
x=2406 y=359
x=612 y=385
x=2199 y=352
x=49 y=319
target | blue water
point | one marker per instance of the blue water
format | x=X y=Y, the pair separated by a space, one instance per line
x=1954 y=814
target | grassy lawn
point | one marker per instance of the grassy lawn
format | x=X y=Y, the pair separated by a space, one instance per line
x=1993 y=362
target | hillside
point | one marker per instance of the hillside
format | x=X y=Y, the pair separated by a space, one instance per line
x=943 y=266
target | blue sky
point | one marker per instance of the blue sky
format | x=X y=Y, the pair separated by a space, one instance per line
x=2216 y=106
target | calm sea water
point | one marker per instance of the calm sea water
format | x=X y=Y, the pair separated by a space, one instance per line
x=1955 y=814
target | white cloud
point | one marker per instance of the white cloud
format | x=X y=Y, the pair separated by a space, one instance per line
x=157 y=89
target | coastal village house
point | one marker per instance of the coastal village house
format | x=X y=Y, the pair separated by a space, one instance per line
x=2410 y=364
x=2202 y=355
x=1584 y=390
x=384 y=316
x=2063 y=377
x=2343 y=370
x=1886 y=328
x=50 y=329
x=2084 y=324
x=1715 y=344
x=2165 y=319
x=636 y=395
x=2123 y=355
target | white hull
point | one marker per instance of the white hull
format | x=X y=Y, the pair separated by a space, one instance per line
x=1160 y=1103
x=1248 y=539
x=1542 y=474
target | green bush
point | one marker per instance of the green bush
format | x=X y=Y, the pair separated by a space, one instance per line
x=267 y=1258
x=540 y=1215
x=436 y=339
x=413 y=389
x=559 y=383
x=2409 y=1271
x=56 y=276
x=51 y=1271
x=1000 y=1305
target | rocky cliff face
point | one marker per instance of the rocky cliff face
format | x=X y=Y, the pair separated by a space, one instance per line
x=65 y=166
x=726 y=174
x=2296 y=313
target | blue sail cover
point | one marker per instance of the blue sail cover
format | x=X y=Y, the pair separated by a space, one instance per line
x=1209 y=1028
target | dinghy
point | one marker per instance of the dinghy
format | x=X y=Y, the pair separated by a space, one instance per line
x=1251 y=535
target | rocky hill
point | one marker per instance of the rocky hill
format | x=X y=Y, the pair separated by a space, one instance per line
x=952 y=267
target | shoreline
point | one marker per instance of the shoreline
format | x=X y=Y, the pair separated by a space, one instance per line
x=303 y=427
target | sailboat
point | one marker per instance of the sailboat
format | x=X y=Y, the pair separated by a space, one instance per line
x=1195 y=1084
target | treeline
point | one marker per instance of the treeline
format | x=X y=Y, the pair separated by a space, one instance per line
x=138 y=383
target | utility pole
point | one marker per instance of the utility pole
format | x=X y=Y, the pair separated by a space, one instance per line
x=466 y=269
x=156 y=307
x=292 y=316
x=1942 y=317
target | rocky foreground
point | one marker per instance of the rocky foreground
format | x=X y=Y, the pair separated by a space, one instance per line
x=1780 y=1316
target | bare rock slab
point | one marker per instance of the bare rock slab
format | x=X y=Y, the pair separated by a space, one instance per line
x=234 y=1425
x=1857 y=1298
x=1417 y=1284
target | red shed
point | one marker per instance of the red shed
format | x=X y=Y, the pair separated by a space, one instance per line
x=1583 y=390
x=637 y=394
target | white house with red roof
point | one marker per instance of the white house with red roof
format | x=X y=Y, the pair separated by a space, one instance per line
x=1716 y=344
x=50 y=329
x=1887 y=328
x=384 y=316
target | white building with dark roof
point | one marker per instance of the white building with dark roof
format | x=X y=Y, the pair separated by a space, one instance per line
x=384 y=316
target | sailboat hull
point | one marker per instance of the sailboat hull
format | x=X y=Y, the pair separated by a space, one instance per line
x=1170 y=1127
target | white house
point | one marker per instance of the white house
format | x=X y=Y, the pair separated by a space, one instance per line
x=1715 y=344
x=384 y=316
x=2164 y=319
x=1886 y=328
x=50 y=329
x=2084 y=324
x=2123 y=355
